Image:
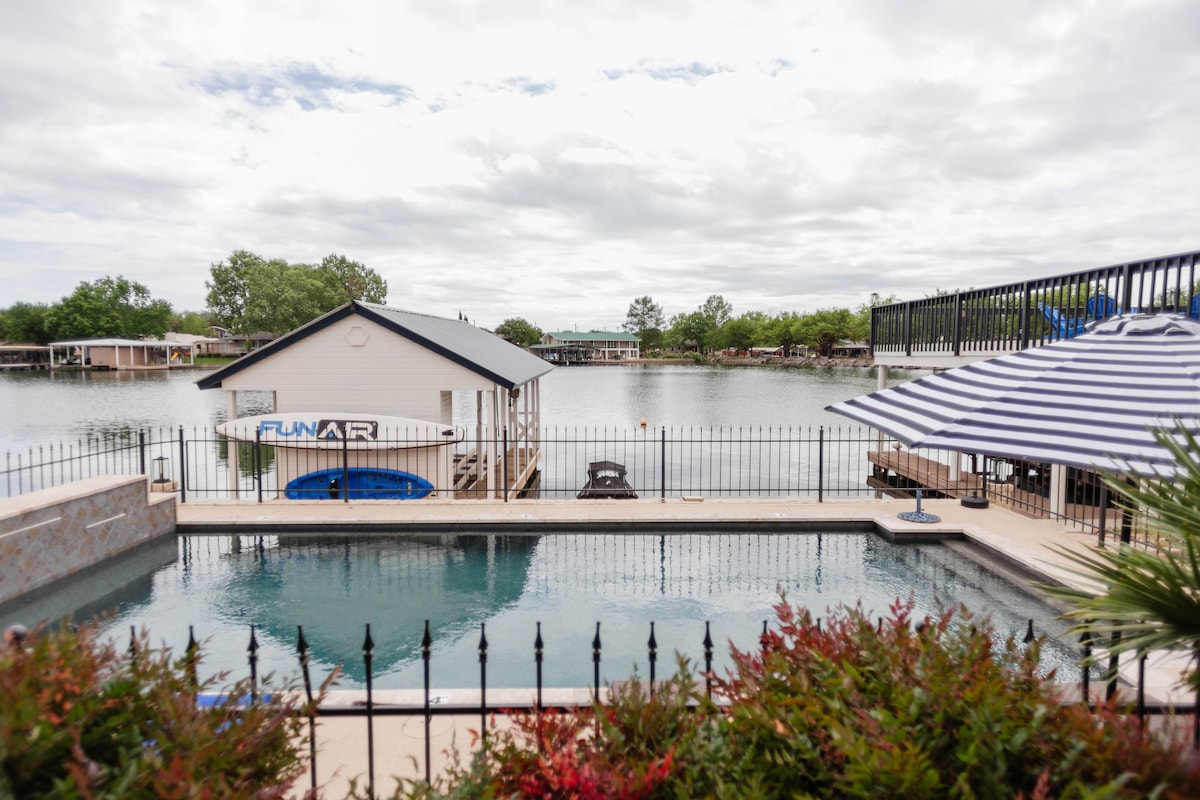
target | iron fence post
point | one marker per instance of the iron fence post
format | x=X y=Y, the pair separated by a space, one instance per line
x=958 y=323
x=662 y=465
x=483 y=653
x=1141 y=688
x=182 y=468
x=302 y=650
x=653 y=646
x=504 y=462
x=368 y=649
x=538 y=650
x=252 y=649
x=821 y=464
x=708 y=659
x=258 y=462
x=345 y=470
x=596 y=664
x=426 y=647
x=191 y=659
x=142 y=452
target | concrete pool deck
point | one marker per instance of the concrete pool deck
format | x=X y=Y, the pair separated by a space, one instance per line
x=1029 y=546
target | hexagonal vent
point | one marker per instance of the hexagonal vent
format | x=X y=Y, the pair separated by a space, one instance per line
x=357 y=335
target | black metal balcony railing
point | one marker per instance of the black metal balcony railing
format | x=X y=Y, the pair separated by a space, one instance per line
x=1017 y=315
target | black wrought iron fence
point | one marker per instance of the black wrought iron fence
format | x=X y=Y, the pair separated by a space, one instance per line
x=369 y=708
x=716 y=462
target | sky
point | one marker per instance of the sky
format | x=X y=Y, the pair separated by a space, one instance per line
x=555 y=161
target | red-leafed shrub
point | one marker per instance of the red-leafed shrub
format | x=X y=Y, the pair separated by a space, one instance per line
x=848 y=709
x=81 y=719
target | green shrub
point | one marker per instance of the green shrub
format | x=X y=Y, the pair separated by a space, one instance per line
x=850 y=709
x=936 y=709
x=80 y=719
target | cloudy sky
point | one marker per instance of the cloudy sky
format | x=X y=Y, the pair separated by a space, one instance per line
x=553 y=161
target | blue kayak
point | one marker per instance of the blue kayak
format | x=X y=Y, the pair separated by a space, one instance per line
x=361 y=483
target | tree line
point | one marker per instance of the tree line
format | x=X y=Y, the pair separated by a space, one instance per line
x=246 y=294
x=713 y=327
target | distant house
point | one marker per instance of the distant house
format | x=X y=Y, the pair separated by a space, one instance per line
x=845 y=349
x=576 y=347
x=365 y=358
x=225 y=342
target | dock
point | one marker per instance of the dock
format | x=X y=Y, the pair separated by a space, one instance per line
x=470 y=474
x=899 y=473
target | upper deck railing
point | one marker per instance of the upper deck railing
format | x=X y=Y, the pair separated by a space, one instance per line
x=960 y=327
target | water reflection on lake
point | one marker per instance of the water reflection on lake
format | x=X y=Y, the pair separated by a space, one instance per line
x=44 y=408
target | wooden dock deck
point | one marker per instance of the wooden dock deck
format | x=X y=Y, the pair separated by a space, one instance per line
x=470 y=474
x=898 y=473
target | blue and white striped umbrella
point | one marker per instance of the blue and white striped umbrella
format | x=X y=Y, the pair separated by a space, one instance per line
x=1091 y=401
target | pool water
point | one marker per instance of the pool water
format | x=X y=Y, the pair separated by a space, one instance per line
x=504 y=585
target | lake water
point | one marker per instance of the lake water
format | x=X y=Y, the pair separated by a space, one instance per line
x=48 y=408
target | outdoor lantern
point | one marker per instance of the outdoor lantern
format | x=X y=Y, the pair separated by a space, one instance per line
x=159 y=466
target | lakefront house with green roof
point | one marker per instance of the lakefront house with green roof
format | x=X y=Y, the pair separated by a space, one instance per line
x=577 y=347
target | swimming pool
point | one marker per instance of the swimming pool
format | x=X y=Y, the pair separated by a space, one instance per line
x=334 y=586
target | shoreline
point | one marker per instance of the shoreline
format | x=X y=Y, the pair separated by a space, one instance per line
x=742 y=361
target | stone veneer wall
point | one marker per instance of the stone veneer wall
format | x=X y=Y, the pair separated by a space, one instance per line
x=53 y=533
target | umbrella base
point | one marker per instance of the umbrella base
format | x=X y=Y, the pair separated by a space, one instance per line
x=974 y=501
x=918 y=516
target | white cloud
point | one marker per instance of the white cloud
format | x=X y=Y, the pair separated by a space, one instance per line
x=524 y=159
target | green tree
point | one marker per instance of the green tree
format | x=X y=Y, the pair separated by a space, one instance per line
x=247 y=293
x=281 y=297
x=228 y=289
x=644 y=314
x=25 y=323
x=716 y=310
x=519 y=331
x=784 y=329
x=825 y=328
x=743 y=332
x=196 y=323
x=1151 y=599
x=109 y=307
x=351 y=280
x=687 y=331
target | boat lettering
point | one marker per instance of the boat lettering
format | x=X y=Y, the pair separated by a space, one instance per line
x=355 y=430
x=295 y=428
x=337 y=429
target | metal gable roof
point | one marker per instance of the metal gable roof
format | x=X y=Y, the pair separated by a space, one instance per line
x=478 y=350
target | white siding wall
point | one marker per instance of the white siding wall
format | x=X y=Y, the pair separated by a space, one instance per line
x=356 y=365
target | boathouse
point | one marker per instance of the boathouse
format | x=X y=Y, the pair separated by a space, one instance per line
x=122 y=354
x=364 y=361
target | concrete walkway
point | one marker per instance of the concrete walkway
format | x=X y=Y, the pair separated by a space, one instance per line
x=1031 y=548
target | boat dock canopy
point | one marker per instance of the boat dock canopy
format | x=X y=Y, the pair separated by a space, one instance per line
x=478 y=350
x=365 y=358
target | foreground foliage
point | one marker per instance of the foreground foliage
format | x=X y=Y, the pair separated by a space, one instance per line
x=850 y=709
x=79 y=719
x=1150 y=599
